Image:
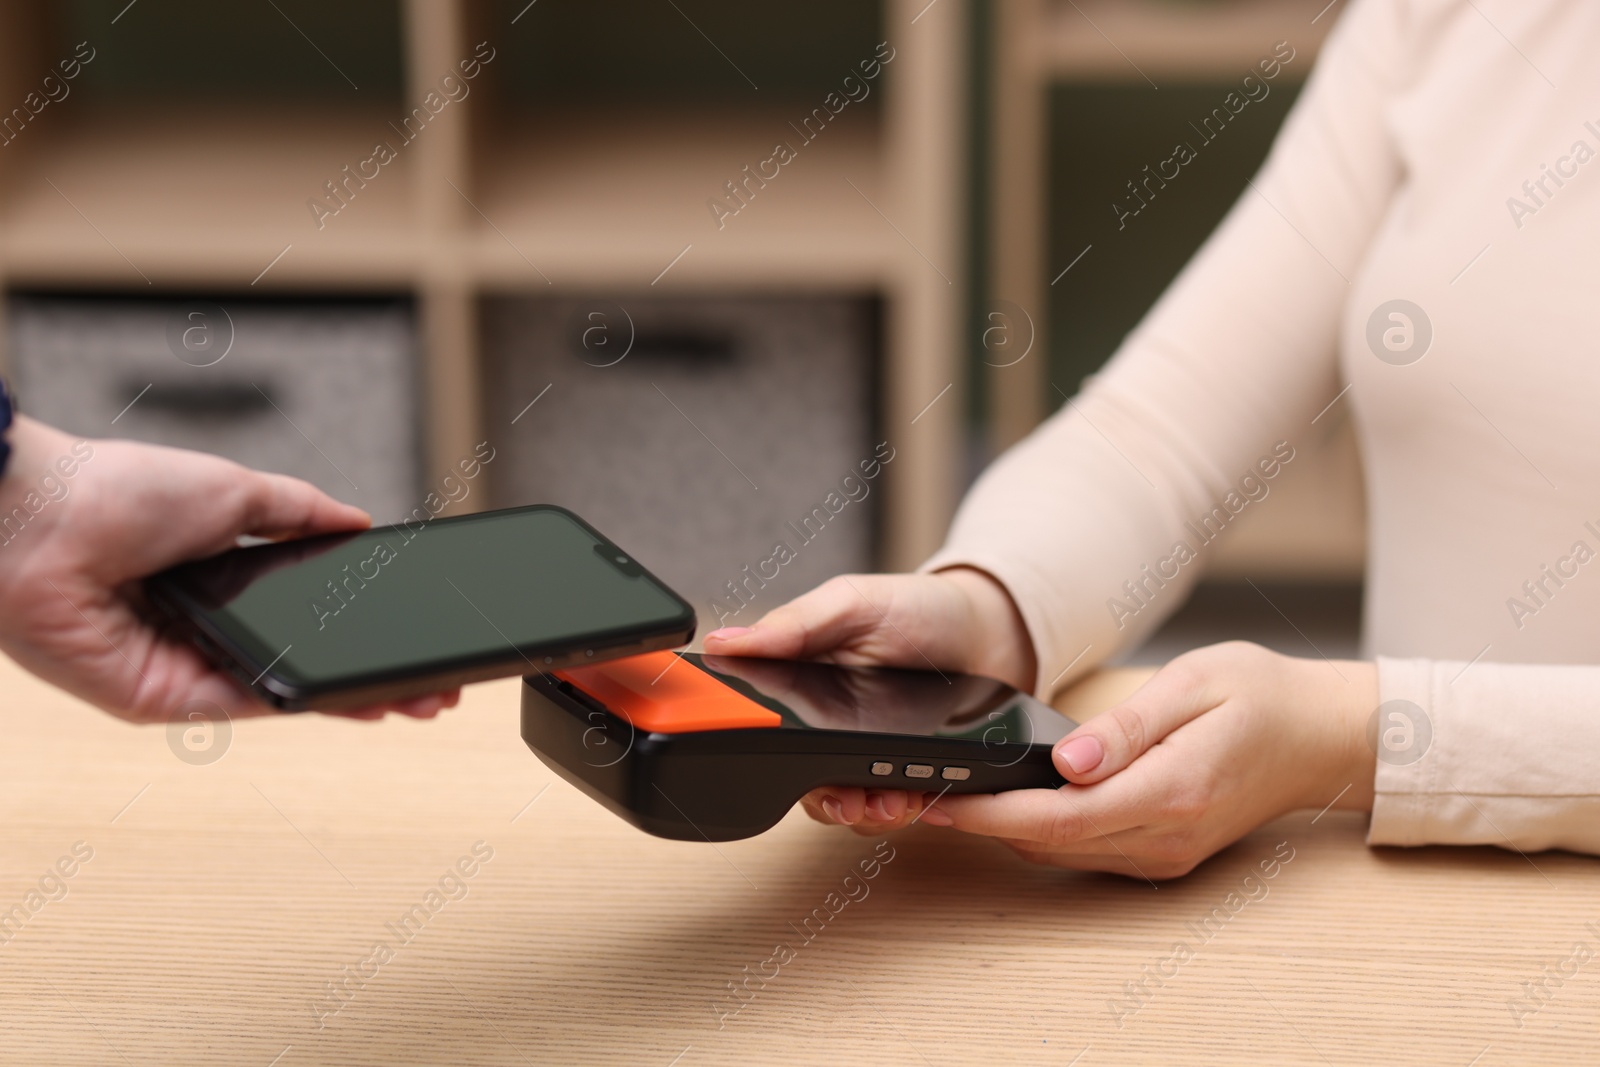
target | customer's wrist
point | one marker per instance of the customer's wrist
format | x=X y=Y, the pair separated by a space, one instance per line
x=34 y=446
x=19 y=437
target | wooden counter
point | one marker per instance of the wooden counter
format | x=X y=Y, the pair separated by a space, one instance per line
x=221 y=901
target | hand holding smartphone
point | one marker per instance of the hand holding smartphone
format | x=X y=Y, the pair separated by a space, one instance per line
x=394 y=612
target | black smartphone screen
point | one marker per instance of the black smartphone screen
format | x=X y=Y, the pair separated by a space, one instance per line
x=890 y=700
x=326 y=613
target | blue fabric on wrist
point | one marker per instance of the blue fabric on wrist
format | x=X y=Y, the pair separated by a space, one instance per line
x=6 y=415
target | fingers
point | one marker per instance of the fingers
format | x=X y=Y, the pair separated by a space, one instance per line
x=183 y=676
x=428 y=707
x=178 y=680
x=278 y=507
x=867 y=811
x=1051 y=817
x=843 y=805
x=1122 y=853
x=213 y=688
x=417 y=708
x=809 y=625
x=887 y=805
x=1109 y=742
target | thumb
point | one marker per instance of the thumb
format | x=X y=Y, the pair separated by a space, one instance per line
x=278 y=507
x=1109 y=742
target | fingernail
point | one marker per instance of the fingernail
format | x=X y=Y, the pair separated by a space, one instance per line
x=728 y=633
x=937 y=817
x=833 y=809
x=877 y=810
x=1082 y=754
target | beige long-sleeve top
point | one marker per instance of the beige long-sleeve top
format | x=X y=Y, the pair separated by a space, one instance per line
x=1444 y=153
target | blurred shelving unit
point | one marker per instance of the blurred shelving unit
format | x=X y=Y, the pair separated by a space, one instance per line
x=1316 y=530
x=507 y=192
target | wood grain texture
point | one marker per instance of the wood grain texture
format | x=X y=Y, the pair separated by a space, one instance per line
x=220 y=902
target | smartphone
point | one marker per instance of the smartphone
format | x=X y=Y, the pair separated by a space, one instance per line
x=351 y=620
x=717 y=748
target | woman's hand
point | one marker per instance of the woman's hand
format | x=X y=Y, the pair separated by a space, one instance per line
x=1218 y=742
x=955 y=620
x=959 y=619
x=74 y=547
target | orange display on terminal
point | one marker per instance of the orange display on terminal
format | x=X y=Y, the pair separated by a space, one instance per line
x=657 y=693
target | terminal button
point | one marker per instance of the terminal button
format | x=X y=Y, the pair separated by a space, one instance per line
x=882 y=768
x=918 y=770
x=956 y=774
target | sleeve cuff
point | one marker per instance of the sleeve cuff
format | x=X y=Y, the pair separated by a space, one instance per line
x=1402 y=791
x=1506 y=755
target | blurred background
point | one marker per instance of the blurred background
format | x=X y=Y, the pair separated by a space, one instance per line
x=683 y=265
